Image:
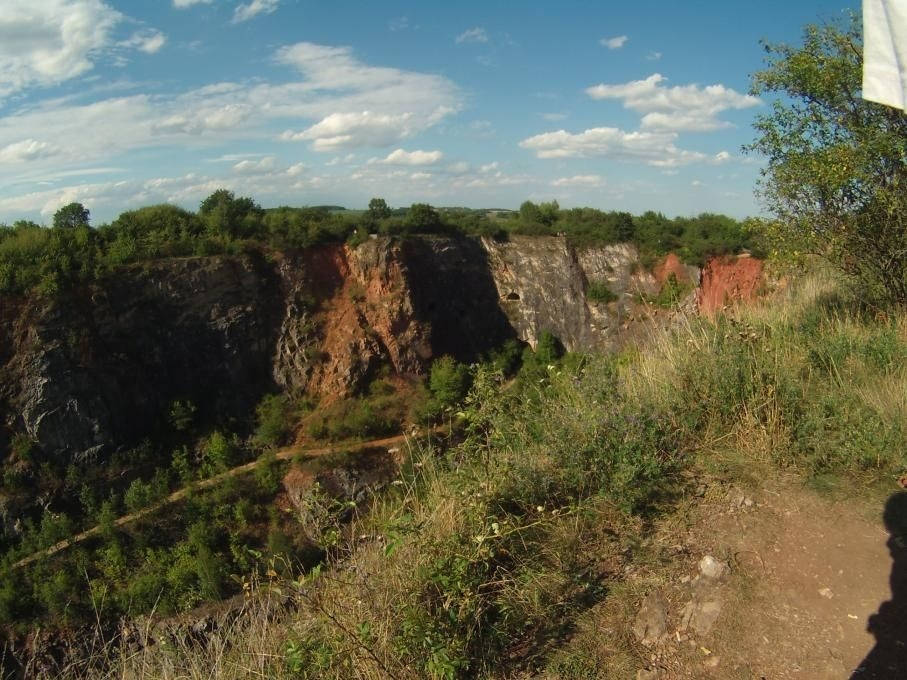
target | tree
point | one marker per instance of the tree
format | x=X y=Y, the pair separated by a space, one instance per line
x=378 y=209
x=449 y=381
x=421 y=217
x=836 y=176
x=227 y=215
x=71 y=216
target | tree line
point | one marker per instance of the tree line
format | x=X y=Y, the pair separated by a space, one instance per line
x=72 y=252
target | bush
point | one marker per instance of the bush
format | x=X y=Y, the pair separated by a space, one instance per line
x=274 y=415
x=219 y=453
x=599 y=291
x=449 y=381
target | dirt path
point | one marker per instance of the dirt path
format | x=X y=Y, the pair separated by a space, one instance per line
x=804 y=575
x=283 y=454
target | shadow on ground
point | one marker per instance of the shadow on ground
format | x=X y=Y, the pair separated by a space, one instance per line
x=888 y=658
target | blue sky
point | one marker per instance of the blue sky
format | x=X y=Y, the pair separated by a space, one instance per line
x=626 y=106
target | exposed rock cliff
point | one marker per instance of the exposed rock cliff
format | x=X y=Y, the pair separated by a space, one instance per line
x=727 y=280
x=100 y=368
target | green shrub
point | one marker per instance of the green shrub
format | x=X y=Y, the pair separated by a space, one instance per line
x=267 y=472
x=182 y=415
x=274 y=417
x=449 y=381
x=600 y=292
x=219 y=453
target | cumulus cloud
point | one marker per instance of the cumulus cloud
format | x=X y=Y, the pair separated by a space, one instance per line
x=682 y=107
x=147 y=41
x=45 y=42
x=253 y=9
x=373 y=106
x=362 y=128
x=341 y=102
x=347 y=104
x=579 y=181
x=417 y=157
x=26 y=150
x=183 y=4
x=473 y=35
x=249 y=166
x=653 y=148
x=614 y=43
x=721 y=157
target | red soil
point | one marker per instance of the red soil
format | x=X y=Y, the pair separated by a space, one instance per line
x=671 y=264
x=726 y=280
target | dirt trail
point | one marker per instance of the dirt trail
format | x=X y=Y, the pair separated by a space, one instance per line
x=805 y=574
x=283 y=454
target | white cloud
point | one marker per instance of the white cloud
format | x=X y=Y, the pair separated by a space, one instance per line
x=473 y=35
x=721 y=157
x=653 y=148
x=458 y=168
x=696 y=183
x=26 y=150
x=398 y=24
x=148 y=41
x=296 y=169
x=489 y=167
x=346 y=130
x=342 y=103
x=682 y=107
x=255 y=167
x=420 y=176
x=653 y=56
x=579 y=181
x=44 y=42
x=253 y=9
x=372 y=106
x=183 y=4
x=417 y=157
x=614 y=43
x=554 y=117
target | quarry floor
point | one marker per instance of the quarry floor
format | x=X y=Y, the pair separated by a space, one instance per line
x=803 y=571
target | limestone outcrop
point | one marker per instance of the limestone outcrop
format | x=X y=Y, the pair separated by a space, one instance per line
x=100 y=368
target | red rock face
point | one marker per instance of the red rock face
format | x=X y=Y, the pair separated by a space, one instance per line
x=726 y=280
x=671 y=264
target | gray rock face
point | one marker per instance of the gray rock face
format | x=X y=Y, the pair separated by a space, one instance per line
x=99 y=368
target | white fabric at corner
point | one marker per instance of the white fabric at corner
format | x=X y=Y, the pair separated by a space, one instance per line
x=885 y=52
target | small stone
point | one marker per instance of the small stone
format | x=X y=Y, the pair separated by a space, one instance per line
x=705 y=616
x=700 y=616
x=651 y=620
x=826 y=592
x=712 y=568
x=712 y=662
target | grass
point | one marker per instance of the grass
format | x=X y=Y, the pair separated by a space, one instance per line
x=486 y=560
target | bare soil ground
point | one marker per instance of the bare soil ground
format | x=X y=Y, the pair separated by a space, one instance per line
x=805 y=572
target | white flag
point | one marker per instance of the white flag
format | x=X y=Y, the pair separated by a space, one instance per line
x=885 y=52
